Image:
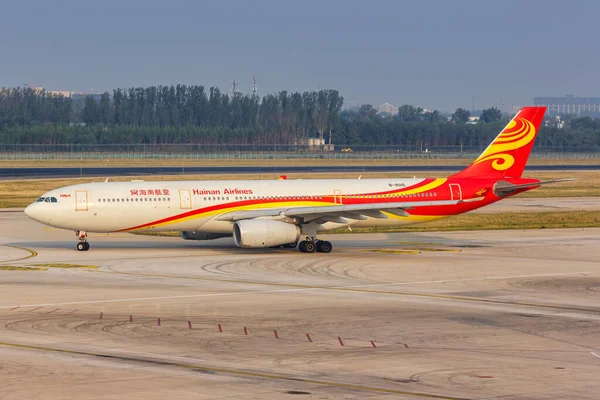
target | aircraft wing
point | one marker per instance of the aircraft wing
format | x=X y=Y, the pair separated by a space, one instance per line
x=340 y=213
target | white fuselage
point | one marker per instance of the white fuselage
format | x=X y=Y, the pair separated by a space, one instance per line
x=194 y=205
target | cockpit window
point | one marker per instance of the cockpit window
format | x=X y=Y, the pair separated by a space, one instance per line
x=40 y=199
x=53 y=200
x=47 y=200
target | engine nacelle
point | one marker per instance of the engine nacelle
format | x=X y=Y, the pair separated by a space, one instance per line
x=264 y=233
x=195 y=235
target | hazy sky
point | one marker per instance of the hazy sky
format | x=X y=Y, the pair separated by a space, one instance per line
x=435 y=54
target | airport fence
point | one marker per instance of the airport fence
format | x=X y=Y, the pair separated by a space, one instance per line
x=265 y=152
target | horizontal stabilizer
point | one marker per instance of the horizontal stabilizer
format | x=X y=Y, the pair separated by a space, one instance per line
x=503 y=188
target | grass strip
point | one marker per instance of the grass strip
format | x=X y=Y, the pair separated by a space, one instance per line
x=476 y=222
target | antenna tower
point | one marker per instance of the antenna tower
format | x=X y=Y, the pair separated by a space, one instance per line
x=254 y=88
x=234 y=84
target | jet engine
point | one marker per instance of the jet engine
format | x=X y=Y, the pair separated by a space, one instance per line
x=264 y=233
x=195 y=235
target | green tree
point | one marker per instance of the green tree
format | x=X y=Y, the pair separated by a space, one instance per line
x=367 y=111
x=491 y=114
x=461 y=116
x=105 y=110
x=335 y=103
x=433 y=116
x=407 y=112
x=90 y=111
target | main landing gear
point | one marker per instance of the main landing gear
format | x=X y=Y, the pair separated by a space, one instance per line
x=83 y=245
x=311 y=243
x=310 y=246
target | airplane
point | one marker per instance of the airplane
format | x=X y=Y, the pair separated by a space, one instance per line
x=291 y=213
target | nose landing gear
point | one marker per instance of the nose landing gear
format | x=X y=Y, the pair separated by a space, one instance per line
x=83 y=245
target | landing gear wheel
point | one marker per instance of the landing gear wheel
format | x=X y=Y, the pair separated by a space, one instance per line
x=309 y=247
x=83 y=245
x=301 y=246
x=323 y=246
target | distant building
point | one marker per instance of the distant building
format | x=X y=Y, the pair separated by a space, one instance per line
x=388 y=109
x=82 y=95
x=66 y=93
x=315 y=144
x=39 y=89
x=59 y=93
x=569 y=104
x=473 y=120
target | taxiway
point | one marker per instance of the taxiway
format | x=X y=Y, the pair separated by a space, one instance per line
x=456 y=315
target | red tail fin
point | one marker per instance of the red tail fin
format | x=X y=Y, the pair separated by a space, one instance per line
x=507 y=155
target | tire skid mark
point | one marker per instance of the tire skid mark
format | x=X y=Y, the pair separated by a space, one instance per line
x=236 y=372
x=355 y=289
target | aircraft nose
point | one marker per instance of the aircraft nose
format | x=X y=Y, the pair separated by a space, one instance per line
x=32 y=211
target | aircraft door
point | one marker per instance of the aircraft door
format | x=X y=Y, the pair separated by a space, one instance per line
x=455 y=191
x=337 y=196
x=185 y=200
x=81 y=199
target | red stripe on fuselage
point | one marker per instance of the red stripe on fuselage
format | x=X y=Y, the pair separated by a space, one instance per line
x=468 y=186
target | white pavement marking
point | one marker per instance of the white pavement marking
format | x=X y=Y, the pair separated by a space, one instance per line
x=594 y=354
x=164 y=297
x=252 y=292
x=463 y=280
